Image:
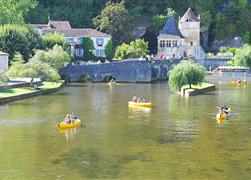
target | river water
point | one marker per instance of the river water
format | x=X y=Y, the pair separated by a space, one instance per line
x=177 y=139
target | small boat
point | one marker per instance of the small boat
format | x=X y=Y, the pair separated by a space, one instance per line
x=221 y=118
x=237 y=83
x=141 y=104
x=64 y=125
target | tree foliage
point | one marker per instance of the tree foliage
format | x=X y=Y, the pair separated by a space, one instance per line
x=34 y=68
x=186 y=72
x=51 y=40
x=3 y=77
x=21 y=39
x=114 y=19
x=109 y=50
x=88 y=47
x=55 y=57
x=13 y=11
x=135 y=49
x=243 y=56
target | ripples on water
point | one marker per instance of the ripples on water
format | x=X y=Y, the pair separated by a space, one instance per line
x=177 y=139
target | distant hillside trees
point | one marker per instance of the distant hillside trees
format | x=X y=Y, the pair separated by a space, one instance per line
x=13 y=12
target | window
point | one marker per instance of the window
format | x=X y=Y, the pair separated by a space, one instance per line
x=99 y=41
x=100 y=52
x=79 y=52
x=70 y=39
x=162 y=43
x=175 y=43
x=168 y=43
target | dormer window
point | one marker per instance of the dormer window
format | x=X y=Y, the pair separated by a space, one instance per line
x=99 y=41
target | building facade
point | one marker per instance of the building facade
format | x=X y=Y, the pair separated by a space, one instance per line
x=182 y=40
x=75 y=36
x=4 y=61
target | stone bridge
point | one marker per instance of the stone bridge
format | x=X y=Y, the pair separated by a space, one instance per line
x=122 y=71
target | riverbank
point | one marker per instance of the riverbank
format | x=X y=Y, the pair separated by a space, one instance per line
x=197 y=89
x=8 y=94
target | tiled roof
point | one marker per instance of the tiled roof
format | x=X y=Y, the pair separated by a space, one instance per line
x=59 y=24
x=189 y=16
x=171 y=28
x=87 y=32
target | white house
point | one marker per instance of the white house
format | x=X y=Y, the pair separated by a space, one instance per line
x=74 y=37
x=4 y=61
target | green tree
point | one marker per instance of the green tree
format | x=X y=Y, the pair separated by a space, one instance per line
x=51 y=40
x=109 y=50
x=34 y=68
x=243 y=56
x=55 y=57
x=114 y=20
x=122 y=52
x=186 y=72
x=13 y=11
x=160 y=20
x=3 y=77
x=22 y=39
x=88 y=47
x=135 y=49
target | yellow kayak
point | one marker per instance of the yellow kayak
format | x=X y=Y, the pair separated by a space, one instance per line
x=63 y=125
x=221 y=118
x=237 y=83
x=141 y=104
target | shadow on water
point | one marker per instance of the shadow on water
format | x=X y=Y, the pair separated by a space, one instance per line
x=90 y=164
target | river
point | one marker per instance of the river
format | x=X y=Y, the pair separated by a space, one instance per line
x=177 y=139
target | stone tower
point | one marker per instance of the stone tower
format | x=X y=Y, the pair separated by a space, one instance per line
x=189 y=26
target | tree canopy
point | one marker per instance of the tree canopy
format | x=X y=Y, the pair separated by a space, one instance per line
x=34 y=68
x=51 y=40
x=225 y=18
x=14 y=11
x=186 y=73
x=114 y=19
x=135 y=49
x=243 y=56
x=55 y=57
x=19 y=38
x=109 y=50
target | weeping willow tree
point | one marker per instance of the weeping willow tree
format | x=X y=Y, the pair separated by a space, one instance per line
x=186 y=72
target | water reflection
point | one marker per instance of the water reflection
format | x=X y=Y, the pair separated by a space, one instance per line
x=69 y=133
x=139 y=112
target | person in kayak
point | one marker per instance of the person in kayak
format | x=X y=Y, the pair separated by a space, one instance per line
x=67 y=119
x=225 y=109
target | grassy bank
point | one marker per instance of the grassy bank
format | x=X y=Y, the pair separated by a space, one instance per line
x=8 y=92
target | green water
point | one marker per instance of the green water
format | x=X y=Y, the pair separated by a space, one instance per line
x=177 y=139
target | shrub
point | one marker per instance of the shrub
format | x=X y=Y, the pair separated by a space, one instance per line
x=56 y=57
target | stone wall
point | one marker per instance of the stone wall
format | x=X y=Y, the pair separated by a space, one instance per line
x=123 y=71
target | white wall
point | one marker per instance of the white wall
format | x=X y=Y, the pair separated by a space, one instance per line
x=4 y=62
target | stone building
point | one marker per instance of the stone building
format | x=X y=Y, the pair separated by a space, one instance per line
x=182 y=40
